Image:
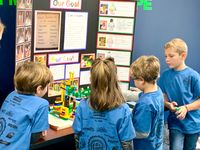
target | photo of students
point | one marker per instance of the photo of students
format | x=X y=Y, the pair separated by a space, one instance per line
x=20 y=52
x=28 y=15
x=20 y=4
x=28 y=3
x=87 y=60
x=20 y=38
x=20 y=18
x=40 y=58
x=28 y=34
x=27 y=50
x=103 y=25
x=102 y=41
x=104 y=9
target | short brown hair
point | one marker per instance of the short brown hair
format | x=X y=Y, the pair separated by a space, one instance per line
x=178 y=44
x=146 y=67
x=28 y=76
x=105 y=91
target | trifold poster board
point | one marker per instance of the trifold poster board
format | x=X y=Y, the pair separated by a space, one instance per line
x=67 y=35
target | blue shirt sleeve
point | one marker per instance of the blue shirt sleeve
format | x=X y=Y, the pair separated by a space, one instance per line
x=126 y=130
x=142 y=119
x=40 y=123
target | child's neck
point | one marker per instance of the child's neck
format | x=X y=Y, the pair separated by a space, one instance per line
x=149 y=87
x=181 y=67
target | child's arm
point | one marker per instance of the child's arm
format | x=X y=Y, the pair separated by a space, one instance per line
x=130 y=95
x=169 y=105
x=127 y=145
x=76 y=137
x=181 y=113
x=140 y=135
x=193 y=106
x=36 y=136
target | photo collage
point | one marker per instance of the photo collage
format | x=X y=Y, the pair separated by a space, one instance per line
x=23 y=31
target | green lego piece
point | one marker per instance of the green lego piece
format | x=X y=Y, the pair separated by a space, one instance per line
x=177 y=108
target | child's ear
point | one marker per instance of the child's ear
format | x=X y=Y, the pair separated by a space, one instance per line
x=184 y=55
x=38 y=90
x=143 y=81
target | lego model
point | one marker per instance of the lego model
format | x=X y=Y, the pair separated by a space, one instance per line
x=64 y=106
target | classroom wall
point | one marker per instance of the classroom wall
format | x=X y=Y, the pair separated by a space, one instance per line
x=7 y=48
x=168 y=19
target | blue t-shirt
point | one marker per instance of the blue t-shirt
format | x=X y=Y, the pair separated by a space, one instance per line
x=148 y=119
x=182 y=87
x=103 y=130
x=20 y=116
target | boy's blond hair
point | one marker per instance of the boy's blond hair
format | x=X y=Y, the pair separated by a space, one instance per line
x=28 y=76
x=145 y=67
x=178 y=44
x=2 y=27
x=105 y=91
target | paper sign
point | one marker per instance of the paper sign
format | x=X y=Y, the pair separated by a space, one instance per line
x=66 y=4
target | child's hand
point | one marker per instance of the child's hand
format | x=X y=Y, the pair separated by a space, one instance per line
x=173 y=106
x=44 y=133
x=181 y=112
x=135 y=89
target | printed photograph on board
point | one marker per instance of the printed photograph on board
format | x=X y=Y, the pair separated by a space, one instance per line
x=41 y=58
x=87 y=59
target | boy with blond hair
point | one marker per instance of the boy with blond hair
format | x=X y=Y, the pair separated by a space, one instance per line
x=24 y=114
x=148 y=114
x=181 y=87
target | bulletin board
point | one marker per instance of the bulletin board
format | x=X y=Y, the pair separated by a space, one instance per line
x=67 y=35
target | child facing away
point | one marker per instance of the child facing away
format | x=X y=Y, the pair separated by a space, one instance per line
x=24 y=114
x=104 y=121
x=181 y=87
x=148 y=114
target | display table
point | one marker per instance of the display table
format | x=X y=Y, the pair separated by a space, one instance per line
x=54 y=137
